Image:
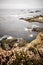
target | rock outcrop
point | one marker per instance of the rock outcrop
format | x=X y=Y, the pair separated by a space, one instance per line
x=34 y=19
x=37 y=29
x=28 y=54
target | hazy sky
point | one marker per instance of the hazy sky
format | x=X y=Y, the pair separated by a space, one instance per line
x=21 y=4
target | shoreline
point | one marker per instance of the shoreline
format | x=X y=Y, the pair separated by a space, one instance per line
x=34 y=19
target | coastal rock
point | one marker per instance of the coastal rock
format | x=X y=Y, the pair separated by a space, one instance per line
x=34 y=19
x=8 y=43
x=37 y=29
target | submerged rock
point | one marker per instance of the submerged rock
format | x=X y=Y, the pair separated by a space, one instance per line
x=31 y=12
x=37 y=11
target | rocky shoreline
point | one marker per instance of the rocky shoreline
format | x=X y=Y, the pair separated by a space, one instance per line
x=27 y=54
x=34 y=19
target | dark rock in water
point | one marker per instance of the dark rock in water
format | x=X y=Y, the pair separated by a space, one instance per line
x=37 y=29
x=31 y=12
x=8 y=43
x=37 y=11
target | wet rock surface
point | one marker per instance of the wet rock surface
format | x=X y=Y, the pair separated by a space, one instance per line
x=8 y=43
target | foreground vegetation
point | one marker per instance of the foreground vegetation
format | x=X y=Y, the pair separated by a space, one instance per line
x=25 y=54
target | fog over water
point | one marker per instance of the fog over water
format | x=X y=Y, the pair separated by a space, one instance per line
x=20 y=4
x=10 y=24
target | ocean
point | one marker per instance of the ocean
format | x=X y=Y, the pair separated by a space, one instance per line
x=10 y=23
